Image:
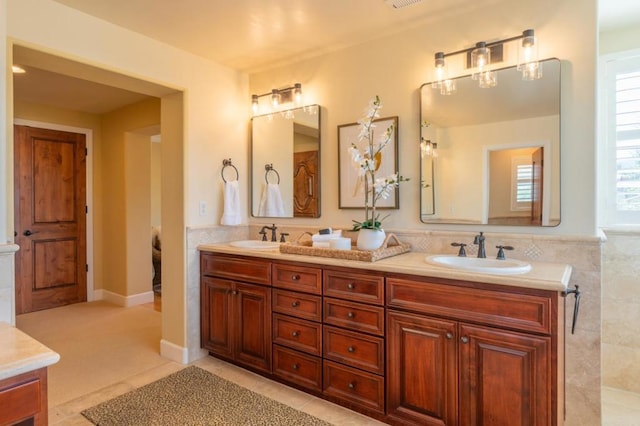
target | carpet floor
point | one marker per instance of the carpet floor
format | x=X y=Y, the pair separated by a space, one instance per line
x=194 y=396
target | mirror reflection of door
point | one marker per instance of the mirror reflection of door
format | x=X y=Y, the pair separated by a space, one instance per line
x=305 y=171
x=537 y=168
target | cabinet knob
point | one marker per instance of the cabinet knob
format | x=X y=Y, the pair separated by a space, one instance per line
x=351 y=315
x=351 y=349
x=464 y=339
x=295 y=304
x=295 y=333
x=234 y=292
x=295 y=367
x=351 y=286
x=352 y=385
x=295 y=277
x=449 y=335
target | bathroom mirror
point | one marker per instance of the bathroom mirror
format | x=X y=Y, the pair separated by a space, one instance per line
x=285 y=163
x=497 y=158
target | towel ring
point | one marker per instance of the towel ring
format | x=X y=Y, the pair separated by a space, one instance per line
x=269 y=168
x=227 y=163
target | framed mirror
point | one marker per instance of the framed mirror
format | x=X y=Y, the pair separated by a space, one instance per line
x=285 y=163
x=492 y=155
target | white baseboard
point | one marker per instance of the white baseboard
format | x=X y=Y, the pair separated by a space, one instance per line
x=126 y=301
x=174 y=352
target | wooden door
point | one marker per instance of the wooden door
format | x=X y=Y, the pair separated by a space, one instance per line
x=215 y=316
x=422 y=373
x=50 y=218
x=505 y=378
x=536 y=186
x=252 y=319
x=305 y=184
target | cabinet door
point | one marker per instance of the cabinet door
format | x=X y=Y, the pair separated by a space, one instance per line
x=422 y=372
x=253 y=325
x=215 y=312
x=505 y=378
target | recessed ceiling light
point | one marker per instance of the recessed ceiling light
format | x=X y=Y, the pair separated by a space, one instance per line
x=397 y=4
x=17 y=69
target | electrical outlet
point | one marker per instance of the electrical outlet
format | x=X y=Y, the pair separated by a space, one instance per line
x=203 y=208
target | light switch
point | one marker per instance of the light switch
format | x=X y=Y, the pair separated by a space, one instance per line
x=203 y=208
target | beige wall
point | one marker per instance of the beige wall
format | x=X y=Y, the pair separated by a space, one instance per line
x=395 y=67
x=156 y=175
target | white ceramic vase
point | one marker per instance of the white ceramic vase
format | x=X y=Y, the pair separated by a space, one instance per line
x=370 y=239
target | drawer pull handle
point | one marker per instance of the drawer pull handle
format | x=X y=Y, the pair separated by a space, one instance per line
x=449 y=335
x=295 y=333
x=351 y=286
x=295 y=277
x=351 y=315
x=465 y=339
x=351 y=349
x=295 y=304
x=295 y=367
x=234 y=292
x=352 y=385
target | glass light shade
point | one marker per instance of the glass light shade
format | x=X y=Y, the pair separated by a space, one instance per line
x=254 y=104
x=480 y=59
x=487 y=79
x=448 y=87
x=441 y=72
x=528 y=57
x=297 y=93
x=275 y=98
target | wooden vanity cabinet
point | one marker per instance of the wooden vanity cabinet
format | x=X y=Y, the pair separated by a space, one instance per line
x=297 y=325
x=236 y=315
x=459 y=353
x=354 y=346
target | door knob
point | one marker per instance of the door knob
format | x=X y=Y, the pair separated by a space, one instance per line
x=27 y=233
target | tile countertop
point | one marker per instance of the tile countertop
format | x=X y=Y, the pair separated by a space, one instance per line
x=21 y=353
x=543 y=276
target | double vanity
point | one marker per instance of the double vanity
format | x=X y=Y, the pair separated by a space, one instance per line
x=409 y=339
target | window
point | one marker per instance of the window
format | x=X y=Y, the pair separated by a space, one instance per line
x=621 y=123
x=521 y=183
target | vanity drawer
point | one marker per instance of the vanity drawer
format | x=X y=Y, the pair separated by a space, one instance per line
x=298 y=334
x=363 y=389
x=297 y=367
x=354 y=316
x=235 y=267
x=366 y=288
x=298 y=278
x=355 y=349
x=521 y=309
x=296 y=304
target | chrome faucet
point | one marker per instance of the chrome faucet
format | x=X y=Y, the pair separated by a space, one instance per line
x=272 y=228
x=479 y=240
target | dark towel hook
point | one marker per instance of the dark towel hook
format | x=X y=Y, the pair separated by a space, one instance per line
x=227 y=163
x=269 y=168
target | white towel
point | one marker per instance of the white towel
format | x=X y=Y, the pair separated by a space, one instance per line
x=231 y=215
x=271 y=201
x=321 y=244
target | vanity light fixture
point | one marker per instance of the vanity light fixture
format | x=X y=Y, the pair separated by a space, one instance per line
x=481 y=60
x=279 y=97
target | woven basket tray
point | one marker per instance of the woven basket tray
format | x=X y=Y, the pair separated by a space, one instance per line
x=389 y=248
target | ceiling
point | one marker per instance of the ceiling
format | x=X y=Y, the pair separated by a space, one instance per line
x=252 y=35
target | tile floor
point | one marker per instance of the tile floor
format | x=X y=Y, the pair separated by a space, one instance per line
x=619 y=408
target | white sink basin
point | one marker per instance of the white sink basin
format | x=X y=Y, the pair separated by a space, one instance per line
x=474 y=264
x=255 y=244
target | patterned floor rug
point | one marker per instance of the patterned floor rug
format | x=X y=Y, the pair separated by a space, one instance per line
x=194 y=396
